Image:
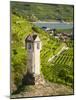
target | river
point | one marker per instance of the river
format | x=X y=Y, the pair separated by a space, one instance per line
x=54 y=25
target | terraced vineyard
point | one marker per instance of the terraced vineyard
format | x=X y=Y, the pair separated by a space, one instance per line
x=20 y=29
x=50 y=49
x=65 y=58
x=60 y=69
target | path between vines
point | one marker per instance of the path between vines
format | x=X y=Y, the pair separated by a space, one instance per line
x=62 y=49
x=48 y=89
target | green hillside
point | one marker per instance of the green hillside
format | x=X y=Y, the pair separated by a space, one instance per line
x=60 y=69
x=47 y=12
x=20 y=28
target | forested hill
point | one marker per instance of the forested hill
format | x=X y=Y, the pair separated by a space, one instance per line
x=46 y=12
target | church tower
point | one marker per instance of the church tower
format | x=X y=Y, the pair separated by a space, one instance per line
x=33 y=46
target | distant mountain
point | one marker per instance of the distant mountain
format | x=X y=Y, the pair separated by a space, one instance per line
x=38 y=11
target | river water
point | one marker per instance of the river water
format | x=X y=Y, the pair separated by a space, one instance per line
x=54 y=25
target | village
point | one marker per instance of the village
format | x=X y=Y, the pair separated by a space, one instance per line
x=63 y=36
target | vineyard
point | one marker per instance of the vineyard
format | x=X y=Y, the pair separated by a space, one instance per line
x=60 y=70
x=65 y=58
x=20 y=29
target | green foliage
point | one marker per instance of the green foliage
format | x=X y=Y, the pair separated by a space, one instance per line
x=60 y=71
x=43 y=12
x=19 y=30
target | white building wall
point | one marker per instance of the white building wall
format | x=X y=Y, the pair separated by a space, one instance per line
x=36 y=59
x=33 y=59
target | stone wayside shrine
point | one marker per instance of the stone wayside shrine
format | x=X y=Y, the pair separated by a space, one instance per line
x=33 y=46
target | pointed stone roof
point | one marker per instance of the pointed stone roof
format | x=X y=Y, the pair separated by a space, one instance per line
x=31 y=37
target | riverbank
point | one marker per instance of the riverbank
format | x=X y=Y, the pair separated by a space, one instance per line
x=54 y=25
x=52 y=22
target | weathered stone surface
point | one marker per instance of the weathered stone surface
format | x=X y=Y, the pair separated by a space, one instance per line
x=39 y=79
x=46 y=89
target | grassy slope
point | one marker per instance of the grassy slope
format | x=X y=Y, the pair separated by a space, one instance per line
x=20 y=29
